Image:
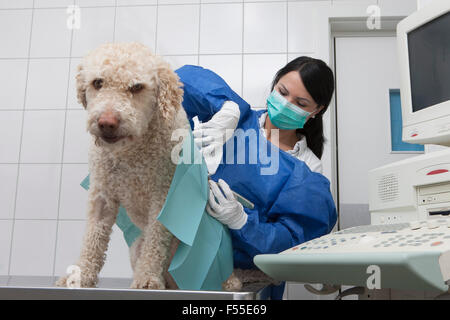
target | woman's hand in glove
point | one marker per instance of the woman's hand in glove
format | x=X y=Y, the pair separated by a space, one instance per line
x=223 y=206
x=211 y=136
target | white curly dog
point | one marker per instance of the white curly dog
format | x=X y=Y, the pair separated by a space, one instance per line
x=133 y=101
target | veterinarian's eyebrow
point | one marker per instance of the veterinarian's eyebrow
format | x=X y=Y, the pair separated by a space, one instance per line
x=299 y=99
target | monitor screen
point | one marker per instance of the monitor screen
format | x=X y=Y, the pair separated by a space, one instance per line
x=429 y=63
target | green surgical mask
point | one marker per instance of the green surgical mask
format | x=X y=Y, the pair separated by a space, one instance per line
x=283 y=114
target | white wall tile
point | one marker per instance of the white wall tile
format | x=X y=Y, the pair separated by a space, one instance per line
x=118 y=259
x=16 y=41
x=397 y=7
x=16 y=4
x=94 y=3
x=50 y=37
x=266 y=0
x=259 y=71
x=135 y=2
x=5 y=245
x=303 y=25
x=221 y=28
x=13 y=77
x=47 y=84
x=72 y=94
x=73 y=202
x=351 y=8
x=229 y=67
x=10 y=130
x=292 y=56
x=220 y=1
x=136 y=24
x=77 y=139
x=33 y=248
x=354 y=2
x=52 y=3
x=420 y=5
x=163 y=2
x=38 y=191
x=96 y=27
x=8 y=181
x=265 y=27
x=42 y=136
x=68 y=247
x=177 y=29
x=179 y=61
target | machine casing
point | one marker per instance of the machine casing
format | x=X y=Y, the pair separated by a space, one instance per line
x=413 y=189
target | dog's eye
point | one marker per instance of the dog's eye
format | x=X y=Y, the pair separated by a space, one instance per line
x=97 y=83
x=136 y=88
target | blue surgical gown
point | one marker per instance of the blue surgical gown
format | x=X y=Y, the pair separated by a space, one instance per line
x=291 y=205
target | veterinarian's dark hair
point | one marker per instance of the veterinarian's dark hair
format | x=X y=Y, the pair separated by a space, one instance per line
x=319 y=81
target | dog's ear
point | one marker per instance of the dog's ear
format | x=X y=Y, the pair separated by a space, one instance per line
x=81 y=86
x=170 y=92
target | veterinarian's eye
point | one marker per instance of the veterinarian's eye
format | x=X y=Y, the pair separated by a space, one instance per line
x=136 y=88
x=97 y=83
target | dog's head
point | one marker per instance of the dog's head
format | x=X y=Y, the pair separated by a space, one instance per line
x=125 y=89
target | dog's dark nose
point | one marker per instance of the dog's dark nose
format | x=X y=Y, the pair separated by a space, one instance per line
x=108 y=123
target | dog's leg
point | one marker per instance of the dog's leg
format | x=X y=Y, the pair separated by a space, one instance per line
x=154 y=257
x=101 y=218
x=170 y=281
x=135 y=252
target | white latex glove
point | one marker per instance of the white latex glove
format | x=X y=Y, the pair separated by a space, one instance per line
x=223 y=206
x=211 y=136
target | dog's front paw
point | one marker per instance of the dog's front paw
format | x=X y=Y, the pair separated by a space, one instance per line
x=70 y=281
x=150 y=281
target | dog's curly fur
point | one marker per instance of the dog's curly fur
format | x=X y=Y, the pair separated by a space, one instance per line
x=136 y=171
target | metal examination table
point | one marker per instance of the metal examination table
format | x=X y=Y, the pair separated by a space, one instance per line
x=27 y=287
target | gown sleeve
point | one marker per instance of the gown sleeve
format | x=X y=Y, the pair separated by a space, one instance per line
x=304 y=210
x=205 y=92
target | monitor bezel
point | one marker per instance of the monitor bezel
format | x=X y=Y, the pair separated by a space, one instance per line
x=415 y=21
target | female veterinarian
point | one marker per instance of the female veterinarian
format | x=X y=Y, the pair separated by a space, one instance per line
x=292 y=199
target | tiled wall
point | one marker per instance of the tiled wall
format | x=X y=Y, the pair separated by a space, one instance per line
x=43 y=140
